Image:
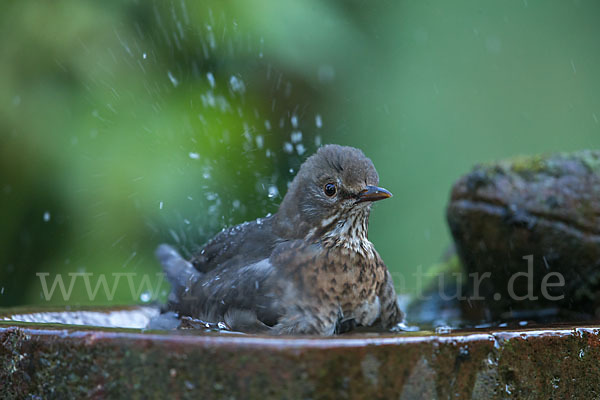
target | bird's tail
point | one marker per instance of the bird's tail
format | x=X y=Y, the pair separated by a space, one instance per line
x=180 y=273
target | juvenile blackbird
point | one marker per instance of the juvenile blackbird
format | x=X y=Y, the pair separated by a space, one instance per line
x=308 y=269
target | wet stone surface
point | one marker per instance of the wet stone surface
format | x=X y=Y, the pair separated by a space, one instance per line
x=543 y=210
x=66 y=361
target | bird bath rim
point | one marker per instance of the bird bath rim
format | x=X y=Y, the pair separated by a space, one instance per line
x=46 y=321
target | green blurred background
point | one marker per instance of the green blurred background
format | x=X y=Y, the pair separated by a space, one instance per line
x=124 y=124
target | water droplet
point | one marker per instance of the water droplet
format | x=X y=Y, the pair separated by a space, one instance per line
x=300 y=149
x=259 y=221
x=259 y=141
x=267 y=125
x=189 y=385
x=294 y=121
x=318 y=141
x=160 y=205
x=318 y=121
x=2 y=290
x=47 y=216
x=236 y=204
x=131 y=257
x=210 y=196
x=581 y=353
x=145 y=297
x=287 y=147
x=273 y=191
x=291 y=170
x=144 y=56
x=296 y=137
x=260 y=53
x=211 y=37
x=211 y=79
x=236 y=84
x=194 y=156
x=172 y=78
x=222 y=325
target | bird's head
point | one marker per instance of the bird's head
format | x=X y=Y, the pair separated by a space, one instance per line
x=331 y=195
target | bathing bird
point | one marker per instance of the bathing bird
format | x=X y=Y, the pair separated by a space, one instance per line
x=307 y=269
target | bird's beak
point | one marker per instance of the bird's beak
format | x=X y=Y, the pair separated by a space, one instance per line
x=373 y=193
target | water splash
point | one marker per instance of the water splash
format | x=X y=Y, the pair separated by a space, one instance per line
x=442 y=330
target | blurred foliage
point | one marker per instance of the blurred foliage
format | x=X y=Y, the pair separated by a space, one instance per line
x=124 y=124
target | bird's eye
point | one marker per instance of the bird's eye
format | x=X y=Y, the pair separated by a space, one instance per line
x=330 y=189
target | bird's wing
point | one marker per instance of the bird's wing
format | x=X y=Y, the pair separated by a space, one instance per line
x=240 y=245
x=272 y=294
x=242 y=296
x=250 y=297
